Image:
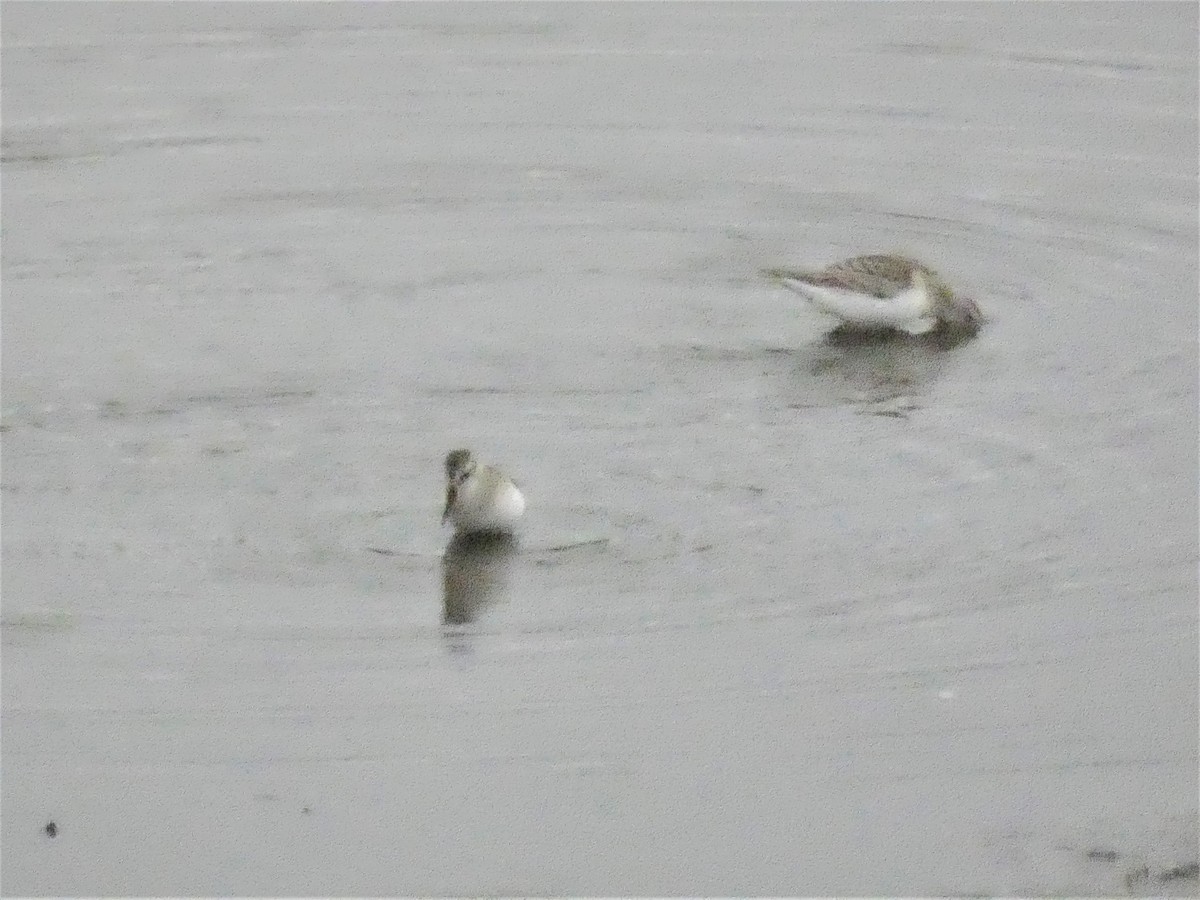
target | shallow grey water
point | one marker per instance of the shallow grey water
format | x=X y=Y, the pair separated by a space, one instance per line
x=789 y=616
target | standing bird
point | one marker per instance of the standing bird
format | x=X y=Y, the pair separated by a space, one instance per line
x=884 y=291
x=479 y=499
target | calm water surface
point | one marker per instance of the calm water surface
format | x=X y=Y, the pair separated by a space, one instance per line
x=790 y=615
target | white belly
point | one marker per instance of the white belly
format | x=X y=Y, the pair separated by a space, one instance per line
x=910 y=310
x=477 y=508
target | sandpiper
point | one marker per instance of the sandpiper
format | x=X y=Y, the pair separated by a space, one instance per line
x=884 y=291
x=479 y=499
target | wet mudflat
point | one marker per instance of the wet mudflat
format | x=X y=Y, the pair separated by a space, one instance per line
x=791 y=614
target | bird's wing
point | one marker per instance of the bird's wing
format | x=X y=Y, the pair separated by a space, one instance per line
x=879 y=275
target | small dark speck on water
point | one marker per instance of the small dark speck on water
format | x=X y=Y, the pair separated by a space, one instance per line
x=1190 y=872
x=51 y=829
x=306 y=811
x=1104 y=855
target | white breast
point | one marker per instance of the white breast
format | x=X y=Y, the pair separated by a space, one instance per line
x=510 y=503
x=487 y=504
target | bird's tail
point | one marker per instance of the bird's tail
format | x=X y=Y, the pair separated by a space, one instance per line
x=783 y=273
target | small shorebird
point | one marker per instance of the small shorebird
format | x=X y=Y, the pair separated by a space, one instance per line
x=479 y=499
x=884 y=291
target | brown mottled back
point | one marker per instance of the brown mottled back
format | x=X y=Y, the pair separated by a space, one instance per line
x=877 y=274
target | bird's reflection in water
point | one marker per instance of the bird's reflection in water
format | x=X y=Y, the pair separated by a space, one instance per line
x=474 y=575
x=851 y=338
x=886 y=372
